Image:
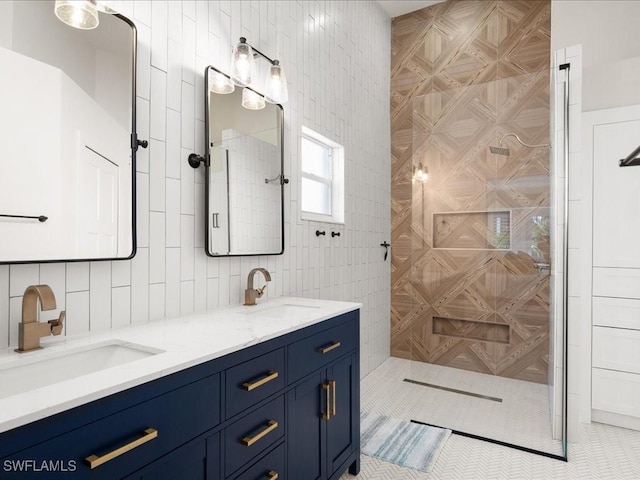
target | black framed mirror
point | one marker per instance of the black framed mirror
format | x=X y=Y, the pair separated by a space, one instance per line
x=67 y=137
x=244 y=174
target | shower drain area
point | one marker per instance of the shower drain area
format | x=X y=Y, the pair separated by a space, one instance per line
x=474 y=436
x=453 y=390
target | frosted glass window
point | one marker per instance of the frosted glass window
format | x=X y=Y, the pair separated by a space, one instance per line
x=316 y=197
x=321 y=178
x=316 y=158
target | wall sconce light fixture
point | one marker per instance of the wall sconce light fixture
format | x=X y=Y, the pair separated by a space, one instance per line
x=220 y=83
x=252 y=100
x=82 y=14
x=243 y=73
x=420 y=174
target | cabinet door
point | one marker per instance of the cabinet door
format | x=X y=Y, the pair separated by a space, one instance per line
x=193 y=462
x=306 y=430
x=343 y=426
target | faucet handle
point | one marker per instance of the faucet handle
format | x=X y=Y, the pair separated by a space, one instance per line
x=260 y=291
x=56 y=325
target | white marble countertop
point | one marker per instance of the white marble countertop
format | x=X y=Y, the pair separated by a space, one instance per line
x=184 y=342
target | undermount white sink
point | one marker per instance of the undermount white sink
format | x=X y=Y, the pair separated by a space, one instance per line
x=282 y=310
x=23 y=376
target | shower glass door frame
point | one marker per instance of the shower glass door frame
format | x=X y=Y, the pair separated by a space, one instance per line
x=489 y=262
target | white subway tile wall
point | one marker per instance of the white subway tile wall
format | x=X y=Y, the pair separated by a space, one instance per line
x=337 y=58
x=254 y=205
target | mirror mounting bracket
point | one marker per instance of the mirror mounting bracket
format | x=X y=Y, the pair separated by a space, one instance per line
x=195 y=160
x=135 y=143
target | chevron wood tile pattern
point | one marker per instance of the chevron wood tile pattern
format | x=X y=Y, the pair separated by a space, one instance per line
x=465 y=73
x=600 y=451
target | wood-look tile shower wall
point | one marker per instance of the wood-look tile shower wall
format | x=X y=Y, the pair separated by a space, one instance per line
x=464 y=73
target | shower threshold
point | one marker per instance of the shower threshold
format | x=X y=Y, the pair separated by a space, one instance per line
x=497 y=442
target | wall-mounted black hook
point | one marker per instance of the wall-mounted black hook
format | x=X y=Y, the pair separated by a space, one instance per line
x=386 y=249
x=318 y=233
x=335 y=234
x=195 y=160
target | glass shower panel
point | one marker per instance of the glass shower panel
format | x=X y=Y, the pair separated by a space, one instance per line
x=478 y=293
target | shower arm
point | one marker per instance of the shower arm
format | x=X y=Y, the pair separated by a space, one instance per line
x=521 y=142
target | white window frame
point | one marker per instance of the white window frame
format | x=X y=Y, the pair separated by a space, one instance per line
x=335 y=179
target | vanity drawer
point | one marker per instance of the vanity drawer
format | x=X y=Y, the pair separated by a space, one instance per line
x=253 y=434
x=254 y=380
x=267 y=468
x=130 y=439
x=314 y=352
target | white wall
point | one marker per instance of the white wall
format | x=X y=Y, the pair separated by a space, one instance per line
x=610 y=58
x=336 y=55
x=607 y=31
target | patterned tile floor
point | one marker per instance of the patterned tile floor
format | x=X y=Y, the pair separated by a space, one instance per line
x=521 y=418
x=603 y=452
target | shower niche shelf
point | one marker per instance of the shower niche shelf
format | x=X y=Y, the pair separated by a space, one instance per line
x=471 y=330
x=484 y=230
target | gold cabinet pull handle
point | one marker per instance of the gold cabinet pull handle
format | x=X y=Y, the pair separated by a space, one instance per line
x=333 y=402
x=327 y=389
x=273 y=475
x=271 y=426
x=328 y=348
x=95 y=461
x=272 y=375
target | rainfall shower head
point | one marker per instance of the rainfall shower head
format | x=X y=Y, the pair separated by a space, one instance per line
x=505 y=151
x=500 y=151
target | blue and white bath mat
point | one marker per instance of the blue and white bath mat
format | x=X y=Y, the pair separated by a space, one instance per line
x=401 y=442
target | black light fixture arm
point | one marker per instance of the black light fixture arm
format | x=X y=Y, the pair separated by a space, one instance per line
x=256 y=51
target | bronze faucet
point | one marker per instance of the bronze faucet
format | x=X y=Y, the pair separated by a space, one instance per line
x=250 y=294
x=30 y=330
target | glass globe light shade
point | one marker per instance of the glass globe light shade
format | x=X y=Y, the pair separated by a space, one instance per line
x=243 y=65
x=220 y=83
x=251 y=100
x=276 y=84
x=80 y=14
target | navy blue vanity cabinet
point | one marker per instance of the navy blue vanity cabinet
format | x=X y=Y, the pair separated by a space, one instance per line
x=117 y=435
x=286 y=408
x=197 y=461
x=343 y=427
x=306 y=435
x=324 y=405
x=270 y=467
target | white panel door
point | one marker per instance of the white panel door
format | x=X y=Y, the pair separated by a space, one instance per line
x=97 y=206
x=616 y=196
